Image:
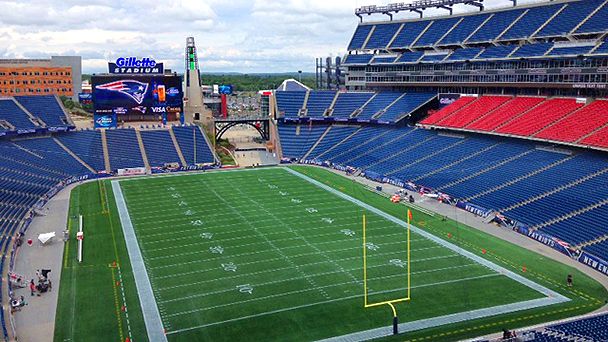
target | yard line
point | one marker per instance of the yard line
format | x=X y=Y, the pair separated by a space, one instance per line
x=277 y=269
x=265 y=251
x=355 y=281
x=308 y=305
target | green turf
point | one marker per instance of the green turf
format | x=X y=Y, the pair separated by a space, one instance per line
x=291 y=258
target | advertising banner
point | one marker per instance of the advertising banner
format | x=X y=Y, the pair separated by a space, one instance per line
x=139 y=94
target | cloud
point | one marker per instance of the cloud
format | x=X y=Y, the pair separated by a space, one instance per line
x=237 y=35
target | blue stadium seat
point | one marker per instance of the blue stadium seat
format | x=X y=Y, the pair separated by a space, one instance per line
x=46 y=108
x=159 y=147
x=492 y=28
x=569 y=18
x=290 y=102
x=382 y=35
x=193 y=145
x=123 y=149
x=359 y=37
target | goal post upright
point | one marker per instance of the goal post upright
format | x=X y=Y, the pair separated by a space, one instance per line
x=390 y=303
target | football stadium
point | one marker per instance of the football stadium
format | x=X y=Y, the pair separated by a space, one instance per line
x=451 y=185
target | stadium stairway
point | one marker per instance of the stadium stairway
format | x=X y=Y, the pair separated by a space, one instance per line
x=106 y=154
x=557 y=189
x=570 y=215
x=329 y=111
x=588 y=17
x=446 y=112
x=144 y=156
x=74 y=155
x=177 y=148
x=316 y=142
x=592 y=137
x=519 y=179
x=360 y=109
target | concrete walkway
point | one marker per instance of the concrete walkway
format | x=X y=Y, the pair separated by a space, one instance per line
x=36 y=321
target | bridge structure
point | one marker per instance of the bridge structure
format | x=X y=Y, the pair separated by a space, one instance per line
x=260 y=123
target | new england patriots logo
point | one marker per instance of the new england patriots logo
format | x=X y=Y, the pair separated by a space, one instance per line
x=133 y=89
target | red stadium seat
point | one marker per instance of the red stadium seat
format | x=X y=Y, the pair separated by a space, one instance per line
x=505 y=113
x=578 y=124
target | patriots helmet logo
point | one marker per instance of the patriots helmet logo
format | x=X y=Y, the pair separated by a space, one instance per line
x=133 y=89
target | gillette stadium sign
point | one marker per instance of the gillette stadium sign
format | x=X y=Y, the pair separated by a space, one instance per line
x=134 y=65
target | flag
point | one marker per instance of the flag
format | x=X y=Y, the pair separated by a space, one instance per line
x=409 y=215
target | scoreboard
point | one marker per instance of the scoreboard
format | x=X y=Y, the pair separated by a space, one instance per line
x=136 y=97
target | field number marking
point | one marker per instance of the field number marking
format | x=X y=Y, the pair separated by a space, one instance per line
x=230 y=267
x=347 y=232
x=216 y=250
x=245 y=288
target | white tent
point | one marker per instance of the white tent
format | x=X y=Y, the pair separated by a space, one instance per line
x=46 y=237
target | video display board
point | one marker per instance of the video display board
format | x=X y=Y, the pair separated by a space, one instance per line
x=137 y=94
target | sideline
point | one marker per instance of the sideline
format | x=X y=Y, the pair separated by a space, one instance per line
x=152 y=319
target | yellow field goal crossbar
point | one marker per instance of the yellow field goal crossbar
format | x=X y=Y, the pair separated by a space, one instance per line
x=365 y=292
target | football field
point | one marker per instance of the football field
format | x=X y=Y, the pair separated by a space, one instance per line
x=272 y=254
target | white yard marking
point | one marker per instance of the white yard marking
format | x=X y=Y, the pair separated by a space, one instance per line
x=189 y=212
x=372 y=246
x=207 y=236
x=327 y=220
x=245 y=288
x=398 y=263
x=216 y=250
x=230 y=267
x=295 y=200
x=196 y=222
x=349 y=232
x=311 y=210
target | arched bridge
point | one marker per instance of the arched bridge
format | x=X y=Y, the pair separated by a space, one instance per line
x=260 y=123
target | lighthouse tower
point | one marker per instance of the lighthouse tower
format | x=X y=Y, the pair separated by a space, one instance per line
x=193 y=95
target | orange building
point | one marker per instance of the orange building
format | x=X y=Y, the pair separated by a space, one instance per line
x=55 y=76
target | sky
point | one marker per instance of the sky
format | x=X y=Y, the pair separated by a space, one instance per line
x=248 y=36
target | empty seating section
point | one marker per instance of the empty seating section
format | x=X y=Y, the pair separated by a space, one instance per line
x=54 y=154
x=597 y=23
x=531 y=22
x=532 y=50
x=495 y=25
x=497 y=51
x=433 y=57
x=359 y=37
x=290 y=102
x=586 y=193
x=599 y=138
x=569 y=18
x=159 y=147
x=358 y=59
x=448 y=110
x=467 y=167
x=477 y=109
x=382 y=35
x=464 y=54
x=360 y=155
x=569 y=171
x=518 y=167
x=350 y=146
x=570 y=51
x=602 y=49
x=335 y=135
x=582 y=122
x=408 y=34
x=318 y=102
x=585 y=226
x=347 y=103
x=123 y=149
x=540 y=117
x=46 y=108
x=10 y=111
x=383 y=60
x=437 y=30
x=506 y=112
x=465 y=28
x=378 y=103
x=599 y=249
x=193 y=145
x=296 y=140
x=404 y=106
x=589 y=329
x=410 y=57
x=87 y=146
x=449 y=151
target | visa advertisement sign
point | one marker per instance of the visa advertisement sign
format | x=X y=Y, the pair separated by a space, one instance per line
x=134 y=65
x=138 y=94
